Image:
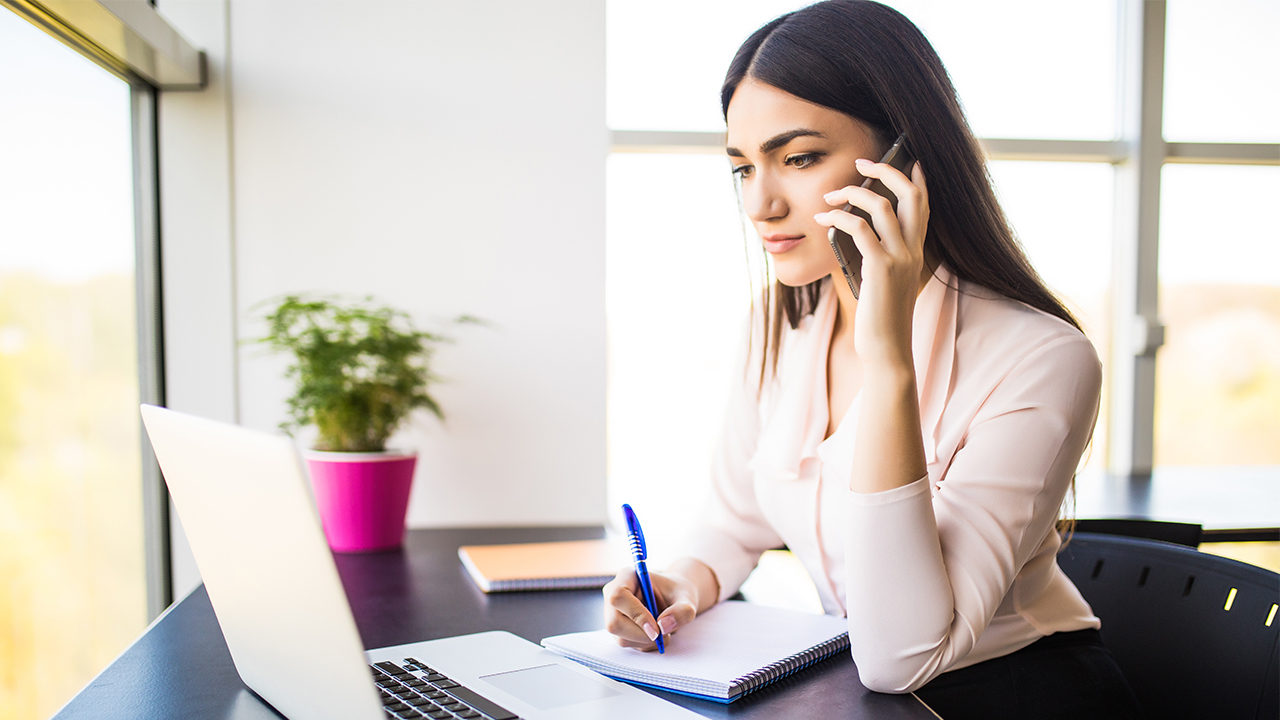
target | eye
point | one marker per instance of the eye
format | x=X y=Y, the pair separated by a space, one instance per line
x=742 y=171
x=803 y=160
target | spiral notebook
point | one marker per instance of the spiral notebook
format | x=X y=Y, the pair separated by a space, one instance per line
x=729 y=651
x=543 y=566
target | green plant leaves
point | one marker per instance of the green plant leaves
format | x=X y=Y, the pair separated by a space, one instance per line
x=359 y=369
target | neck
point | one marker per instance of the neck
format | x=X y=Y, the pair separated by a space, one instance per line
x=848 y=304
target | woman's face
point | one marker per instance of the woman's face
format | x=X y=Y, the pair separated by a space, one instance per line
x=787 y=153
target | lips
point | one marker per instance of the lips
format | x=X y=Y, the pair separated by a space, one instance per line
x=777 y=244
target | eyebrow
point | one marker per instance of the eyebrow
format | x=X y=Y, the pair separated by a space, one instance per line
x=778 y=141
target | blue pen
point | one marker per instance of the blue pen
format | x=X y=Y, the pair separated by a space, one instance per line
x=639 y=553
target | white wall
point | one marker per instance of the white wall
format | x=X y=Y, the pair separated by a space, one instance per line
x=445 y=156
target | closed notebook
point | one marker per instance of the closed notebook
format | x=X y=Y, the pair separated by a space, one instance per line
x=542 y=566
x=729 y=651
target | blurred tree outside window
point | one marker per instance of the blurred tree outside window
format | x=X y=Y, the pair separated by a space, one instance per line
x=73 y=589
x=1218 y=374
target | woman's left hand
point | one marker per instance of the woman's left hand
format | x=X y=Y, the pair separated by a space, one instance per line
x=892 y=265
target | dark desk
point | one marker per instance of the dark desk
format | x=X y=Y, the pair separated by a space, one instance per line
x=180 y=667
x=1233 y=504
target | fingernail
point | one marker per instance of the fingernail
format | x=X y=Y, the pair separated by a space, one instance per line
x=668 y=624
x=830 y=195
x=650 y=631
x=820 y=216
x=863 y=161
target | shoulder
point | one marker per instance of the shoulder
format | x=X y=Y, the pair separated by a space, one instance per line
x=996 y=336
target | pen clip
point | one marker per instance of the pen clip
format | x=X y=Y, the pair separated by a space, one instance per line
x=638 y=549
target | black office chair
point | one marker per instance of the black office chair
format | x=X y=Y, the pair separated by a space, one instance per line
x=1173 y=532
x=1196 y=635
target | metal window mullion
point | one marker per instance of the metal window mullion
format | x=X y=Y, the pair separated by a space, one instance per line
x=1108 y=151
x=155 y=498
x=1136 y=330
x=666 y=141
x=1034 y=149
x=1223 y=153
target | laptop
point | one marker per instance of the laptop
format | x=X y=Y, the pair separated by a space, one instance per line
x=247 y=509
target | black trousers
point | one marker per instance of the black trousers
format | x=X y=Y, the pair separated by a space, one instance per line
x=1064 y=675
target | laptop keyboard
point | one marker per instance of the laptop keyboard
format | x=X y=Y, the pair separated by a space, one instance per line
x=413 y=690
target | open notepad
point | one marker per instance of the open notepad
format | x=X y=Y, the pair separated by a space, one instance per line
x=725 y=653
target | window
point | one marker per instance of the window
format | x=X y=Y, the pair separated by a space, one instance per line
x=73 y=545
x=1218 y=377
x=1217 y=399
x=674 y=258
x=1222 y=68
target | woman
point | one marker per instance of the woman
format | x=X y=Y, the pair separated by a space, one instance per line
x=913 y=445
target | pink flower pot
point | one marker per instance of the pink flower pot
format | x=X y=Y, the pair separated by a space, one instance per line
x=362 y=497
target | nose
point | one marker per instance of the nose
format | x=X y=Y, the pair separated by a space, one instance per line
x=762 y=199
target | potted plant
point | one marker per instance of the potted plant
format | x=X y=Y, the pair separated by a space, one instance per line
x=359 y=370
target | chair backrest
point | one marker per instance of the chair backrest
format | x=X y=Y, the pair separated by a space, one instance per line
x=1195 y=634
x=1173 y=532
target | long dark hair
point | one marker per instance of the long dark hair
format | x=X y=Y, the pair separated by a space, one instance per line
x=867 y=61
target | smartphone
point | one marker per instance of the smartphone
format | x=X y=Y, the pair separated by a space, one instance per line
x=846 y=251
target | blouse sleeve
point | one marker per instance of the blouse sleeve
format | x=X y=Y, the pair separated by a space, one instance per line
x=932 y=568
x=733 y=533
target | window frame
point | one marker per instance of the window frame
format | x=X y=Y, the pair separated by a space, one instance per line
x=150 y=307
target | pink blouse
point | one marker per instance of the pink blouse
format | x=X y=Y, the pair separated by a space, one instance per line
x=952 y=569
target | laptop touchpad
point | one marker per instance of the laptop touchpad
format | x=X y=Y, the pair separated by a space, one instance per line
x=550 y=686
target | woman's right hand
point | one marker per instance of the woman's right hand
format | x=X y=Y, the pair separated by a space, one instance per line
x=677 y=596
